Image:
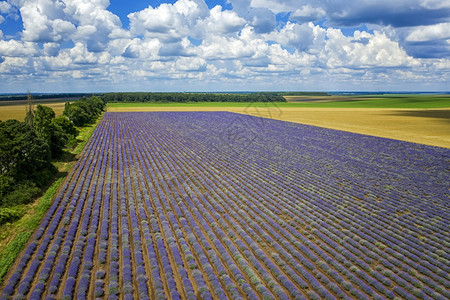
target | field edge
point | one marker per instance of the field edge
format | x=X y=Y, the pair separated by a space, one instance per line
x=27 y=225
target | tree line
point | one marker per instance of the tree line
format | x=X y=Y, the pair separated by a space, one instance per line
x=192 y=97
x=16 y=97
x=28 y=148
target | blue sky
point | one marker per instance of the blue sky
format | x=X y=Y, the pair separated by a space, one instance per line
x=224 y=45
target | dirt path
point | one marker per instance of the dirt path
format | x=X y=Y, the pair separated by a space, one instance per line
x=423 y=126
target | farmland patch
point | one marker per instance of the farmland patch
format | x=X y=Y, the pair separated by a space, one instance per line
x=224 y=205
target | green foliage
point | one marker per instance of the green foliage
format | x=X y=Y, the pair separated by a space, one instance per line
x=192 y=97
x=22 y=193
x=22 y=152
x=26 y=168
x=10 y=214
x=29 y=117
x=43 y=116
x=53 y=130
x=6 y=185
x=44 y=176
x=76 y=114
x=84 y=111
x=10 y=253
x=25 y=163
x=66 y=125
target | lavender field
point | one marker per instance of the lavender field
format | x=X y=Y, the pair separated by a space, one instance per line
x=216 y=205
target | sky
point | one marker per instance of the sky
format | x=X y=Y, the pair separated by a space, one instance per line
x=224 y=45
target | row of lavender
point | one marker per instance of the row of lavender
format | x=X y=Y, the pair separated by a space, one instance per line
x=219 y=205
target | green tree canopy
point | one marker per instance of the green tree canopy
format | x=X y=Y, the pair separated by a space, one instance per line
x=85 y=110
x=23 y=153
x=66 y=125
x=49 y=130
x=43 y=116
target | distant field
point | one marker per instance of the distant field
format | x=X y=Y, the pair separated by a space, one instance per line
x=371 y=101
x=423 y=126
x=16 y=109
x=366 y=101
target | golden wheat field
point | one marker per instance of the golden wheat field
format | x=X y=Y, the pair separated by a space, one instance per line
x=17 y=109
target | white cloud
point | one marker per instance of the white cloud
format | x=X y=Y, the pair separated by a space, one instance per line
x=17 y=66
x=220 y=47
x=51 y=49
x=191 y=64
x=81 y=55
x=168 y=22
x=308 y=13
x=78 y=20
x=442 y=64
x=365 y=50
x=301 y=37
x=210 y=48
x=278 y=6
x=15 y=48
x=96 y=25
x=137 y=48
x=43 y=21
x=5 y=7
x=261 y=18
x=429 y=33
x=435 y=4
x=221 y=22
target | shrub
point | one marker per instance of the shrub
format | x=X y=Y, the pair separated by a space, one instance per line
x=10 y=214
x=22 y=194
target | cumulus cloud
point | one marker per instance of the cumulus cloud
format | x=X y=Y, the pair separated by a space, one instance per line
x=177 y=49
x=168 y=22
x=397 y=13
x=428 y=33
x=82 y=40
x=307 y=13
x=89 y=22
x=377 y=50
x=15 y=66
x=43 y=21
x=262 y=19
x=15 y=48
x=300 y=37
x=81 y=55
x=51 y=49
x=191 y=64
x=5 y=7
x=96 y=26
x=221 y=22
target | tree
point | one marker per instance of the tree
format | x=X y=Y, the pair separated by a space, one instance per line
x=43 y=116
x=49 y=130
x=66 y=125
x=76 y=114
x=85 y=110
x=23 y=153
x=29 y=117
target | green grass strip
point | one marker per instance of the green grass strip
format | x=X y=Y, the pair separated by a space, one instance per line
x=27 y=225
x=84 y=135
